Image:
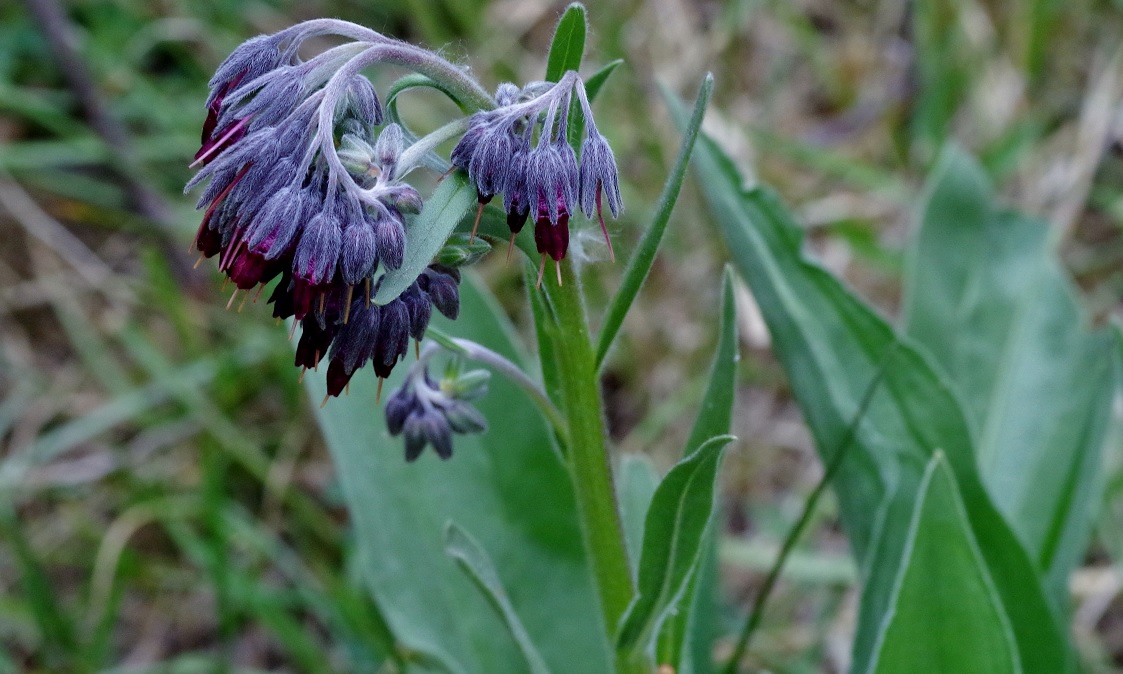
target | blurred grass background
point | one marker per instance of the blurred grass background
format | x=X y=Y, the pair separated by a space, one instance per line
x=166 y=503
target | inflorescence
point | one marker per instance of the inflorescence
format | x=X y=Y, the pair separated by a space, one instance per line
x=522 y=150
x=304 y=183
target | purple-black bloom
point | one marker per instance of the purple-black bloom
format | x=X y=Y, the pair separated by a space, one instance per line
x=302 y=183
x=544 y=177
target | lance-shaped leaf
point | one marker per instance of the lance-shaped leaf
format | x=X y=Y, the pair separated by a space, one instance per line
x=474 y=561
x=945 y=613
x=986 y=296
x=831 y=345
x=568 y=46
x=672 y=536
x=644 y=256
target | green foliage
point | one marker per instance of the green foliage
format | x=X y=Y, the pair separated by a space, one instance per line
x=831 y=344
x=672 y=543
x=567 y=49
x=688 y=635
x=967 y=485
x=986 y=297
x=475 y=562
x=639 y=265
x=427 y=234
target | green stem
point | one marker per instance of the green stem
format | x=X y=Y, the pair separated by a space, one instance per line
x=589 y=465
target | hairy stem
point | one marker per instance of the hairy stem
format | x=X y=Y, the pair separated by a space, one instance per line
x=589 y=464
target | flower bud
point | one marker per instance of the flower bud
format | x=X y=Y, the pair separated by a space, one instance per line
x=389 y=147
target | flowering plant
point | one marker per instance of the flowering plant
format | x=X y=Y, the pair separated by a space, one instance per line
x=584 y=565
x=305 y=168
x=306 y=181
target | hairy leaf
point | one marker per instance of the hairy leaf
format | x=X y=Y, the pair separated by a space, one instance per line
x=568 y=46
x=426 y=234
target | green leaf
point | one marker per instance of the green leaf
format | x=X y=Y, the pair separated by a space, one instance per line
x=986 y=296
x=506 y=486
x=715 y=416
x=426 y=234
x=691 y=631
x=672 y=536
x=831 y=345
x=947 y=615
x=598 y=79
x=568 y=46
x=474 y=561
x=640 y=263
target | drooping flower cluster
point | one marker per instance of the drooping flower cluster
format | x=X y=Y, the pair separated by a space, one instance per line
x=427 y=412
x=282 y=201
x=522 y=150
x=303 y=184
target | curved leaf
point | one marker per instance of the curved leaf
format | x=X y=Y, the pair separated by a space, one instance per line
x=475 y=562
x=687 y=638
x=644 y=256
x=568 y=46
x=987 y=297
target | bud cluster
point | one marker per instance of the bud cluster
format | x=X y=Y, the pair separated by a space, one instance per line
x=429 y=412
x=522 y=150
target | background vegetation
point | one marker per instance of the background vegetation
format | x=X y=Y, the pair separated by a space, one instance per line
x=166 y=503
